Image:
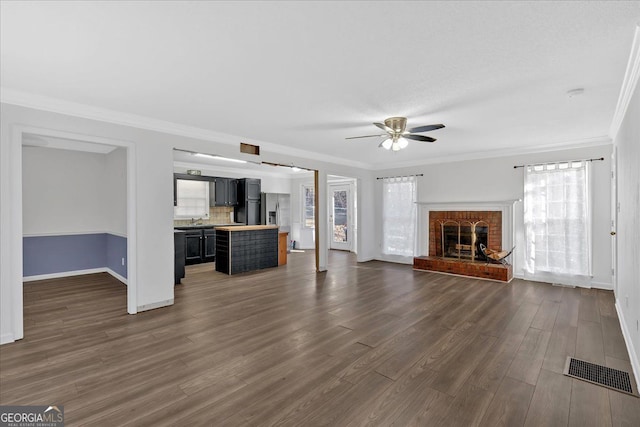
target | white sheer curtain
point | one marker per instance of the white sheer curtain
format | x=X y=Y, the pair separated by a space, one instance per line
x=557 y=220
x=399 y=216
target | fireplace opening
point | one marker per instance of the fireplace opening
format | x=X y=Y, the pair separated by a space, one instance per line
x=461 y=240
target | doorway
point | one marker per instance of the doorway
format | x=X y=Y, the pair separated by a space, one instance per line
x=340 y=197
x=342 y=213
x=28 y=136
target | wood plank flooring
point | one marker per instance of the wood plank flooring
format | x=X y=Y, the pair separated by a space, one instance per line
x=362 y=344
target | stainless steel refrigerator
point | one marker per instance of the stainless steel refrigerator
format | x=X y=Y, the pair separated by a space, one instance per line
x=276 y=210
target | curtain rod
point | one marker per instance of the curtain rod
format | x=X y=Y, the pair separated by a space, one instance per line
x=399 y=176
x=564 y=161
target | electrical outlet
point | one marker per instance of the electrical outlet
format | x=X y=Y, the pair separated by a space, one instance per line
x=122 y=260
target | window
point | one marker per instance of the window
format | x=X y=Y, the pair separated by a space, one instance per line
x=193 y=199
x=309 y=205
x=557 y=220
x=398 y=216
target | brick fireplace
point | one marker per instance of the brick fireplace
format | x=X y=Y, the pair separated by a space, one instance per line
x=454 y=244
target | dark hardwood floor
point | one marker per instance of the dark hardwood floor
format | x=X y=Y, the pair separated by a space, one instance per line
x=372 y=343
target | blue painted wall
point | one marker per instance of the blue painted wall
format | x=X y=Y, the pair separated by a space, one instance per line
x=116 y=249
x=58 y=254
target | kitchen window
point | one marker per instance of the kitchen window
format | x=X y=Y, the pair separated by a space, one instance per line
x=308 y=209
x=193 y=199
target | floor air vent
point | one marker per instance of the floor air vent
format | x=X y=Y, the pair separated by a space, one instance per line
x=600 y=375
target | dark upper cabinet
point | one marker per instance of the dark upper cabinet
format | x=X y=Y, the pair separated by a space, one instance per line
x=226 y=192
x=233 y=192
x=253 y=189
x=248 y=209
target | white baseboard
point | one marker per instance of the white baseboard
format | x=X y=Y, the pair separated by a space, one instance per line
x=6 y=339
x=63 y=274
x=153 y=305
x=602 y=285
x=596 y=285
x=74 y=273
x=633 y=357
x=116 y=275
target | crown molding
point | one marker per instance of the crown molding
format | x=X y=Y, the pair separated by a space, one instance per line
x=39 y=102
x=629 y=84
x=508 y=152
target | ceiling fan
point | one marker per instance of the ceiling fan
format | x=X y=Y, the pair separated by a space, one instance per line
x=397 y=135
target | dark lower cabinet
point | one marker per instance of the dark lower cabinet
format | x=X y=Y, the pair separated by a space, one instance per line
x=193 y=250
x=241 y=249
x=179 y=252
x=209 y=245
x=199 y=246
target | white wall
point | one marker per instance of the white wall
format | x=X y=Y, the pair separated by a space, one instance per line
x=627 y=143
x=63 y=192
x=73 y=192
x=495 y=179
x=115 y=192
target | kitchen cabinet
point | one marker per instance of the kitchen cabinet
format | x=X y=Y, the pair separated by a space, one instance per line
x=283 y=244
x=246 y=248
x=200 y=244
x=179 y=255
x=226 y=192
x=248 y=209
x=209 y=245
x=193 y=247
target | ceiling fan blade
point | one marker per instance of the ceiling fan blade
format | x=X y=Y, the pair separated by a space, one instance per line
x=384 y=127
x=420 y=138
x=366 y=136
x=426 y=128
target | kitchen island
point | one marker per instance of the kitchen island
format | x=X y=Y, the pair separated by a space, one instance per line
x=246 y=248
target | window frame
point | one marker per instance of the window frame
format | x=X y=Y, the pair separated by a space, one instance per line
x=183 y=177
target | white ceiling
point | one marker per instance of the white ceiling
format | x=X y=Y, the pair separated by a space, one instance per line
x=305 y=75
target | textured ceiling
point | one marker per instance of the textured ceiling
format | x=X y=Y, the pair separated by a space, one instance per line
x=306 y=75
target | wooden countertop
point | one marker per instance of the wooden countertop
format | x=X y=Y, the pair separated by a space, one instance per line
x=247 y=227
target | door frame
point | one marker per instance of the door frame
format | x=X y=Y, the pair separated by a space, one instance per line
x=15 y=234
x=614 y=220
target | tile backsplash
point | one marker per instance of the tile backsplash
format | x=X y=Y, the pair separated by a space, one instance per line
x=217 y=215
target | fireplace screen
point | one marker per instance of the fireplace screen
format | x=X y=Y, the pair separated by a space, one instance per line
x=462 y=239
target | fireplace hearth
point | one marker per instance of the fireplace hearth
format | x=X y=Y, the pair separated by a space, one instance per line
x=454 y=244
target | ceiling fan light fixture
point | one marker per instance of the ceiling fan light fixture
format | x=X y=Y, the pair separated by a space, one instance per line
x=396 y=146
x=387 y=143
x=402 y=142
